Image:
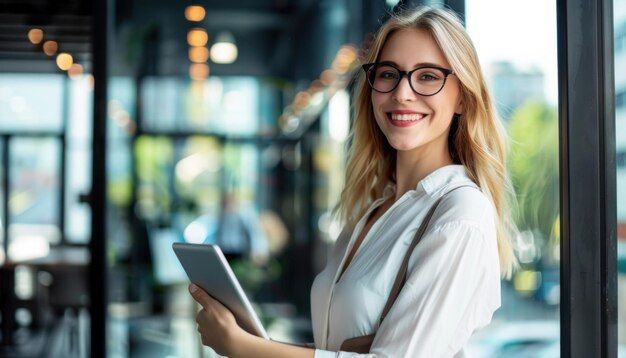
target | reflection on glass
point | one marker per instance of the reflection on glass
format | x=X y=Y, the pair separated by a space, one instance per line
x=31 y=102
x=78 y=161
x=34 y=189
x=329 y=159
x=521 y=65
x=619 y=13
x=121 y=109
x=218 y=105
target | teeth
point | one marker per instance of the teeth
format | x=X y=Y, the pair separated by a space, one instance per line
x=406 y=117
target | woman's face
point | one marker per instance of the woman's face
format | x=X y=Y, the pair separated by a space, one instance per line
x=412 y=122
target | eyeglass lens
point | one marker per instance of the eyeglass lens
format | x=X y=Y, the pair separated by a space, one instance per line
x=425 y=81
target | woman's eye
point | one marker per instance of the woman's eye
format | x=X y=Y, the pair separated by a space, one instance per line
x=428 y=77
x=388 y=75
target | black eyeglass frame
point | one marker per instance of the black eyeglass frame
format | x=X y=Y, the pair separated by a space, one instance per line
x=366 y=67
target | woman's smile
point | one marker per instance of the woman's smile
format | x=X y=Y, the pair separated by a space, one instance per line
x=405 y=118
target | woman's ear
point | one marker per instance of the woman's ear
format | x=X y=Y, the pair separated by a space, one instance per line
x=460 y=108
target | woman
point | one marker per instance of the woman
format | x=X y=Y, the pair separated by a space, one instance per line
x=425 y=129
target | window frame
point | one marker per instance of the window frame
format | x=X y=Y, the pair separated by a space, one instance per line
x=587 y=178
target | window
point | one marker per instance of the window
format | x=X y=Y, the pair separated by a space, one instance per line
x=621 y=160
x=523 y=80
x=30 y=102
x=620 y=98
x=219 y=105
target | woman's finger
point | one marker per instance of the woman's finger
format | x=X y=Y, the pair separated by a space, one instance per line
x=201 y=296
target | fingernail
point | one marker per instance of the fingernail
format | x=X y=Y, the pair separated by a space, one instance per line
x=193 y=288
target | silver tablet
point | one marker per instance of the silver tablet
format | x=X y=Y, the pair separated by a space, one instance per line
x=207 y=267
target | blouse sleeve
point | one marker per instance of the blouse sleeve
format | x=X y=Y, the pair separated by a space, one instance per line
x=453 y=289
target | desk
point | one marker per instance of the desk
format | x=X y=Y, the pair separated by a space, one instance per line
x=58 y=259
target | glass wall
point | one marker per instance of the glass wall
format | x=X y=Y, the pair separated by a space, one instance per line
x=520 y=62
x=45 y=136
x=199 y=147
x=47 y=130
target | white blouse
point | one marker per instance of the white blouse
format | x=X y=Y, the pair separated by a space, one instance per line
x=453 y=280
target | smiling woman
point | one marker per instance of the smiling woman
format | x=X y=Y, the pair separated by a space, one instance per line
x=426 y=238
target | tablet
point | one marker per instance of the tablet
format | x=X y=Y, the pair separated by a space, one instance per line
x=207 y=267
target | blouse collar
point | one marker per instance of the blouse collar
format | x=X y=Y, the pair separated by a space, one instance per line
x=444 y=179
x=434 y=184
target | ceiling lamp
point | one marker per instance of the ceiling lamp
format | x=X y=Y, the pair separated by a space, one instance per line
x=50 y=47
x=35 y=36
x=198 y=54
x=64 y=61
x=194 y=13
x=198 y=71
x=75 y=71
x=197 y=37
x=224 y=50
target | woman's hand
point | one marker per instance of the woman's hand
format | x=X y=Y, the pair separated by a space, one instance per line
x=216 y=324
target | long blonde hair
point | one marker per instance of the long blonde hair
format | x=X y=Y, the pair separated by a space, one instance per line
x=476 y=139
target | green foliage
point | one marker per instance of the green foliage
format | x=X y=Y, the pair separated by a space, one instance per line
x=119 y=190
x=153 y=161
x=534 y=165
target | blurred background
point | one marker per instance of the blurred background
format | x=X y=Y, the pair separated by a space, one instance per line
x=227 y=123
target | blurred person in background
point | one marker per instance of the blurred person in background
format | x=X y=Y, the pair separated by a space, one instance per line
x=239 y=232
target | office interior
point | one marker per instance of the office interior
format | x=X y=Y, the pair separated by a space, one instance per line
x=129 y=125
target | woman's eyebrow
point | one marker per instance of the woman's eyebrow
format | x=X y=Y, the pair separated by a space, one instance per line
x=421 y=64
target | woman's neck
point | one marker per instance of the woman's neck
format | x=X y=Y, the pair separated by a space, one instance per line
x=411 y=168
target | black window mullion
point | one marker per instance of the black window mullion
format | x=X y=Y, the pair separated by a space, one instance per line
x=5 y=199
x=6 y=274
x=587 y=175
x=102 y=10
x=63 y=160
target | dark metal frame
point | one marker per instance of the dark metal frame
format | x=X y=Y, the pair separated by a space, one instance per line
x=102 y=10
x=587 y=174
x=6 y=278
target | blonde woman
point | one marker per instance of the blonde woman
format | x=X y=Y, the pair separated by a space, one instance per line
x=426 y=181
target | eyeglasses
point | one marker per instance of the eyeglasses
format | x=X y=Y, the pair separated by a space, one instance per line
x=425 y=81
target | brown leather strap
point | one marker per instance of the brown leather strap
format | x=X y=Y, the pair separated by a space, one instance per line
x=401 y=276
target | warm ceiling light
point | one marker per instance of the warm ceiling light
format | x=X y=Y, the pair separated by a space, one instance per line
x=199 y=71
x=344 y=59
x=35 y=36
x=50 y=47
x=197 y=37
x=198 y=54
x=64 y=61
x=194 y=13
x=224 y=49
x=75 y=70
x=328 y=77
x=197 y=87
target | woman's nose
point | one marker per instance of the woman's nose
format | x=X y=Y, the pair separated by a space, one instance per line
x=403 y=91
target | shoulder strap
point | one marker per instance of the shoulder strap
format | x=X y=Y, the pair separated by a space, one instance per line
x=401 y=276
